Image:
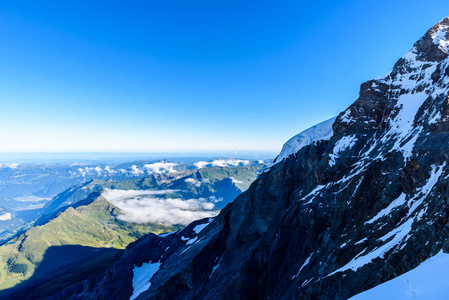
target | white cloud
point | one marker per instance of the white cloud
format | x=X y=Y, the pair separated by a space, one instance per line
x=109 y=170
x=201 y=164
x=221 y=163
x=10 y=165
x=146 y=207
x=235 y=180
x=135 y=170
x=160 y=167
x=84 y=171
x=98 y=169
x=197 y=182
x=5 y=217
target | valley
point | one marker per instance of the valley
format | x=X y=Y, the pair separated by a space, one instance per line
x=103 y=216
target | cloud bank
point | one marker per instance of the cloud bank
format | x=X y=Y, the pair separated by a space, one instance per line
x=235 y=180
x=5 y=217
x=10 y=165
x=197 y=182
x=147 y=207
x=221 y=163
x=160 y=167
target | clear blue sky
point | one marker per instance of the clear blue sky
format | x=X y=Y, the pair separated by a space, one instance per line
x=190 y=75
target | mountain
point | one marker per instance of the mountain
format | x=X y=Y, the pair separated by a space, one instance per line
x=84 y=229
x=218 y=184
x=343 y=215
x=31 y=185
x=224 y=179
x=94 y=229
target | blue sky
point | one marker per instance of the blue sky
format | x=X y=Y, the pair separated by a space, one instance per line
x=190 y=75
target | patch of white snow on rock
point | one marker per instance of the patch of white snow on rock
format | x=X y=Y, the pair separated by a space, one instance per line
x=142 y=277
x=428 y=281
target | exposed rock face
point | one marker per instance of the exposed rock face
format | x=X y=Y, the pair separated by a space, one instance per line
x=337 y=218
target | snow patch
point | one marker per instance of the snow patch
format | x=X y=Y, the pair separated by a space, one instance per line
x=345 y=143
x=197 y=229
x=215 y=267
x=439 y=37
x=360 y=260
x=427 y=281
x=395 y=203
x=142 y=276
x=303 y=265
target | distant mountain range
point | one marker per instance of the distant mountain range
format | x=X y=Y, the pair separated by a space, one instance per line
x=26 y=188
x=99 y=218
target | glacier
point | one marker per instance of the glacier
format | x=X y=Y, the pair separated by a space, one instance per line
x=321 y=131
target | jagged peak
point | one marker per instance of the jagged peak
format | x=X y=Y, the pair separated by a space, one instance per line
x=438 y=35
x=394 y=101
x=434 y=45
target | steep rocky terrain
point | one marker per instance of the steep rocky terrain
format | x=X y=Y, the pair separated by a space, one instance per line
x=341 y=215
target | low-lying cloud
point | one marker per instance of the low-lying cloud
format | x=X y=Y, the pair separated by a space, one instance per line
x=9 y=165
x=221 y=163
x=197 y=182
x=235 y=180
x=161 y=167
x=147 y=207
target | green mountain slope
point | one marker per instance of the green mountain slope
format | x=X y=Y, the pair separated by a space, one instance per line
x=94 y=225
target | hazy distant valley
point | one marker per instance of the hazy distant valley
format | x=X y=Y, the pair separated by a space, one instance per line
x=26 y=188
x=101 y=209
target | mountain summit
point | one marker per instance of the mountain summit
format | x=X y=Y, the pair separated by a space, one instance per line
x=340 y=216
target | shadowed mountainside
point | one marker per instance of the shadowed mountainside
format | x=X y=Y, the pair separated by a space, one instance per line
x=61 y=266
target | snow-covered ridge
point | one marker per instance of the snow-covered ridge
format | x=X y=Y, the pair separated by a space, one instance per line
x=416 y=79
x=321 y=131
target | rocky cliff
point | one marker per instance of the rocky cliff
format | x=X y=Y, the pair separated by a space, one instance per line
x=337 y=217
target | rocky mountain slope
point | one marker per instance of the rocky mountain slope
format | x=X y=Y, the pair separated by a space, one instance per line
x=336 y=218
